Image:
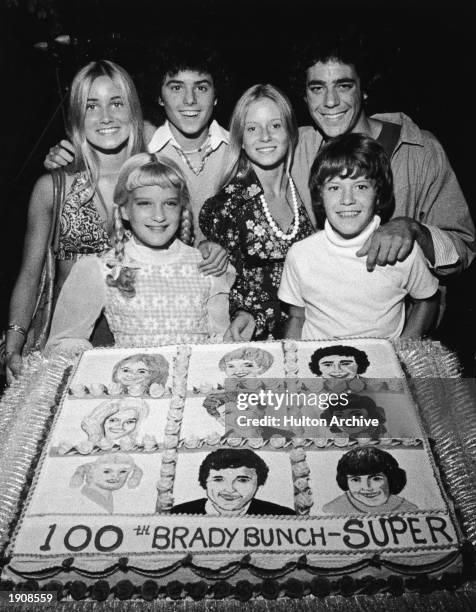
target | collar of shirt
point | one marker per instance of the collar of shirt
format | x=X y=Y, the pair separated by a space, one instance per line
x=163 y=135
x=355 y=242
x=145 y=255
x=410 y=133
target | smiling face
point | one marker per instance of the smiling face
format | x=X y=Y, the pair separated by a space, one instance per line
x=265 y=138
x=133 y=373
x=154 y=214
x=369 y=489
x=349 y=204
x=242 y=368
x=110 y=476
x=107 y=121
x=120 y=424
x=338 y=366
x=188 y=98
x=231 y=489
x=334 y=98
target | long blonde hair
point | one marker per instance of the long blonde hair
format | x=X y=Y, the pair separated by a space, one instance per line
x=85 y=156
x=236 y=161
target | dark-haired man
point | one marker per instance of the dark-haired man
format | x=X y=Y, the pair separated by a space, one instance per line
x=430 y=206
x=339 y=361
x=231 y=478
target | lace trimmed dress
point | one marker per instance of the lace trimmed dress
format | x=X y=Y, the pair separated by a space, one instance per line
x=173 y=301
x=235 y=219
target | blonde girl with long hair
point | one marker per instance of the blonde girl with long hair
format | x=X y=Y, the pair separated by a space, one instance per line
x=105 y=127
x=258 y=213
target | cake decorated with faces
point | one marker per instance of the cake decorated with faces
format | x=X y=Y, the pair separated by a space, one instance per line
x=235 y=470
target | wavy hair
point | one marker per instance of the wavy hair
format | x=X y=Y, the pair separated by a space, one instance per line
x=360 y=357
x=93 y=424
x=85 y=156
x=236 y=161
x=263 y=359
x=157 y=364
x=83 y=473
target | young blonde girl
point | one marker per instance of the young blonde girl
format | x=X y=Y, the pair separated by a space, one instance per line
x=148 y=285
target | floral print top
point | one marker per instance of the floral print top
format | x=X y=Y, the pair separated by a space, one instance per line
x=234 y=218
x=82 y=231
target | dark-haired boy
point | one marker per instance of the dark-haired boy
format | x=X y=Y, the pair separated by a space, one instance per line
x=190 y=79
x=329 y=290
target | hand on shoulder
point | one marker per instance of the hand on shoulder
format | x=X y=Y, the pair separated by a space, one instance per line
x=391 y=242
x=59 y=156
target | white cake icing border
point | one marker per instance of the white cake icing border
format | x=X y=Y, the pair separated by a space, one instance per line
x=294 y=518
x=165 y=499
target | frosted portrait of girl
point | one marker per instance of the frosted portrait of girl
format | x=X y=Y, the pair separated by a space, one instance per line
x=107 y=474
x=371 y=480
x=141 y=374
x=115 y=421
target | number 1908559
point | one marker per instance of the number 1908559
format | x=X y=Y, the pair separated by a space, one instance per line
x=27 y=597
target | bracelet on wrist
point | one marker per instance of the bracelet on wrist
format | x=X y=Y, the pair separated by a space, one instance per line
x=17 y=328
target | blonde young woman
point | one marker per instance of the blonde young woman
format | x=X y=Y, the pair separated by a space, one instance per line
x=258 y=214
x=105 y=127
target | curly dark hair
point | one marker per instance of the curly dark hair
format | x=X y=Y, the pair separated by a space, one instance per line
x=360 y=357
x=353 y=155
x=370 y=460
x=224 y=458
x=346 y=46
x=190 y=53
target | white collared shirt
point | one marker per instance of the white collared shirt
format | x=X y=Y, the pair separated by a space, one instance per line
x=205 y=184
x=163 y=135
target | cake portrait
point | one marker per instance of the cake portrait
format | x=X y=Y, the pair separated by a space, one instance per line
x=113 y=421
x=226 y=366
x=340 y=365
x=371 y=480
x=246 y=362
x=142 y=374
x=239 y=366
x=231 y=479
x=236 y=362
x=107 y=474
x=358 y=406
x=221 y=405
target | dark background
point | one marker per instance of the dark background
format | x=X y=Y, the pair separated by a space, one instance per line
x=423 y=53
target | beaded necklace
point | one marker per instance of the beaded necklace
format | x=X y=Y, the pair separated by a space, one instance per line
x=184 y=155
x=272 y=223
